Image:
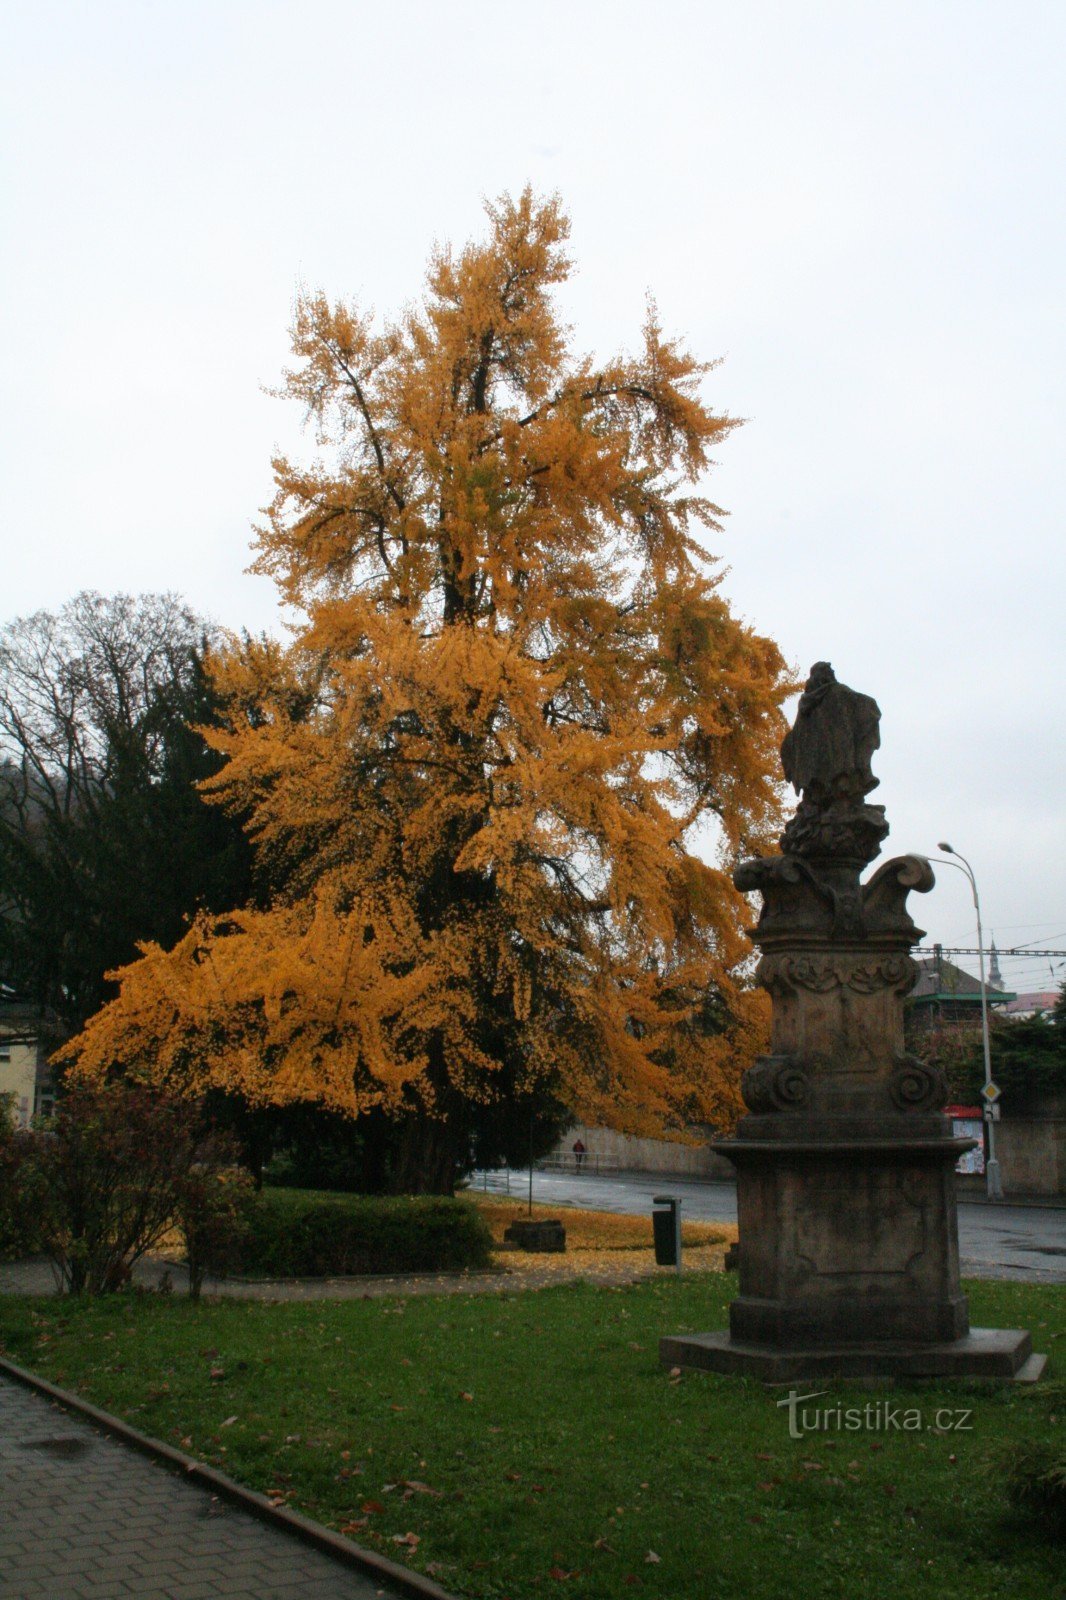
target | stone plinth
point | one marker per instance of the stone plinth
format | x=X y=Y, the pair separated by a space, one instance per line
x=849 y=1260
x=546 y=1238
x=1000 y=1355
x=848 y=1240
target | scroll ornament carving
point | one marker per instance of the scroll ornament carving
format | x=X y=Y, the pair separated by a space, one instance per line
x=917 y=1086
x=863 y=973
x=775 y=1083
x=904 y=873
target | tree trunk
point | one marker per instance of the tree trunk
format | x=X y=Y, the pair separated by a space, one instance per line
x=426 y=1156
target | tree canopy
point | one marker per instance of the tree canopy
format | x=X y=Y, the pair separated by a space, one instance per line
x=477 y=777
x=104 y=839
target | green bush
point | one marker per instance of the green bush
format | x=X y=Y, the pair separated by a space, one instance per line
x=1037 y=1485
x=290 y=1233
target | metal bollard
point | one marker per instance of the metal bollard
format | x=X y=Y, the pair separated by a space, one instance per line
x=666 y=1226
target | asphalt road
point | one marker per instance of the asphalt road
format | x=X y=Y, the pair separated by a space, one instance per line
x=995 y=1241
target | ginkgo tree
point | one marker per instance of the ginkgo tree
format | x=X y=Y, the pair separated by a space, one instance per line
x=480 y=774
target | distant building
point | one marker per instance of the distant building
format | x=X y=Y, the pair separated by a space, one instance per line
x=25 y=1078
x=1021 y=1006
x=1031 y=1137
x=944 y=993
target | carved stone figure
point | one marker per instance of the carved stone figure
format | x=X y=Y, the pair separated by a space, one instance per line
x=848 y=1255
x=826 y=756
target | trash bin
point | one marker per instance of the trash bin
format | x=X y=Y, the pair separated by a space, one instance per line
x=666 y=1226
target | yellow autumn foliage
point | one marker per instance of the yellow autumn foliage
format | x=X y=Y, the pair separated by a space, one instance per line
x=477 y=776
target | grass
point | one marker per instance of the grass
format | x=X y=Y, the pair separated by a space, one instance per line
x=527 y=1444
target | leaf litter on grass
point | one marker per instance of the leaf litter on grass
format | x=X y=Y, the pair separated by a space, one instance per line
x=584 y=1396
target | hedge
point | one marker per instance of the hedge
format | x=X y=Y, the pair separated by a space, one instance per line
x=293 y=1233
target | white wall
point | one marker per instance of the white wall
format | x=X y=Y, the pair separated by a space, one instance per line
x=18 y=1078
x=621 y=1152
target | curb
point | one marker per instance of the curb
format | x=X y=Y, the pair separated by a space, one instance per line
x=401 y=1579
x=462 y=1276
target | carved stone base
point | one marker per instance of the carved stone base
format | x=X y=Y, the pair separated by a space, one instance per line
x=1001 y=1354
x=847 y=1240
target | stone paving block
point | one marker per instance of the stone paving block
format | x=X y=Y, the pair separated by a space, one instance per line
x=110 y=1523
x=193 y=1590
x=294 y=1591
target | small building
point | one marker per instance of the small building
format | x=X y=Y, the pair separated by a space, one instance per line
x=25 y=1078
x=945 y=994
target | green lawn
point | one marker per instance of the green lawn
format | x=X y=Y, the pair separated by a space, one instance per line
x=530 y=1444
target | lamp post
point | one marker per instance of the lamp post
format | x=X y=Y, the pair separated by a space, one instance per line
x=995 y=1188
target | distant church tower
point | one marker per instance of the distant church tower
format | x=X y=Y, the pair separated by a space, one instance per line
x=995 y=977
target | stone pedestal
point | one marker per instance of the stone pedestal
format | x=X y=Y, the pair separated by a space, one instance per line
x=849 y=1262
x=847 y=1239
x=546 y=1238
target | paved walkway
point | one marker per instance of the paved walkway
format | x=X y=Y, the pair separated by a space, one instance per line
x=153 y=1272
x=613 y=1267
x=85 y=1517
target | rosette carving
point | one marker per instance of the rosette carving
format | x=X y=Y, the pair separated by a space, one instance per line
x=917 y=1086
x=775 y=1083
x=799 y=972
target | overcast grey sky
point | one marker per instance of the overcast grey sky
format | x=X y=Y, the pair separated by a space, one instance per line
x=860 y=207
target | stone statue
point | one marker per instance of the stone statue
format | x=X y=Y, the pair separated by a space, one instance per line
x=826 y=756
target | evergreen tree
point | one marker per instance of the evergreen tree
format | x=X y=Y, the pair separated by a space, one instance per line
x=104 y=837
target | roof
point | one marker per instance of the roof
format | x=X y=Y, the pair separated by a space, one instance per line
x=1025 y=1004
x=939 y=979
x=18 y=1012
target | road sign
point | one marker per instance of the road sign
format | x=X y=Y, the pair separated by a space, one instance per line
x=991 y=1092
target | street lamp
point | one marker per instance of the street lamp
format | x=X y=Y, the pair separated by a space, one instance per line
x=995 y=1188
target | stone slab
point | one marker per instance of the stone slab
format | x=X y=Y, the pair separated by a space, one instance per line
x=1003 y=1354
x=547 y=1237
